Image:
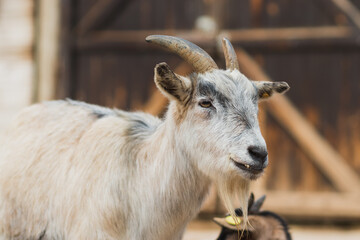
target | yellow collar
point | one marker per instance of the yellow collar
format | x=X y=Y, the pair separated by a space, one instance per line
x=233 y=221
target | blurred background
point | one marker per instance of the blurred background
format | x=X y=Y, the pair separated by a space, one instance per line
x=94 y=51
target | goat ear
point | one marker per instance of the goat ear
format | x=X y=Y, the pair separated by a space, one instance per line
x=257 y=205
x=266 y=89
x=251 y=200
x=172 y=85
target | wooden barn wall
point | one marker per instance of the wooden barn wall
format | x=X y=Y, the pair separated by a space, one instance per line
x=324 y=81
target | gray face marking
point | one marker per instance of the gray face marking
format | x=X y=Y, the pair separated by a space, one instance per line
x=209 y=90
x=237 y=98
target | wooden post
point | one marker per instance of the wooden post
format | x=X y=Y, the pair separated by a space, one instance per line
x=65 y=85
x=47 y=47
x=314 y=205
x=351 y=12
x=272 y=37
x=99 y=13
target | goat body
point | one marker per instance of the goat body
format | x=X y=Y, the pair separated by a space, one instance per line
x=75 y=183
x=263 y=225
x=71 y=170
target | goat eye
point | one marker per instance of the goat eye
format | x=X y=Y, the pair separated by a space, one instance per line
x=205 y=104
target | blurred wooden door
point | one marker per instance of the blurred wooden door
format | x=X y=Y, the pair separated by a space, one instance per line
x=105 y=60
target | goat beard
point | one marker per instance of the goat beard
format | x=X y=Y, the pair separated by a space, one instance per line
x=234 y=191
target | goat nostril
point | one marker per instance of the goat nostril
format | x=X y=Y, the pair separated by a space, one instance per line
x=259 y=154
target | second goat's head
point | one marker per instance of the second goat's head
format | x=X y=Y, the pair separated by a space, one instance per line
x=216 y=114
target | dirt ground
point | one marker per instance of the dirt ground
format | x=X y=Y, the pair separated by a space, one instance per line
x=206 y=230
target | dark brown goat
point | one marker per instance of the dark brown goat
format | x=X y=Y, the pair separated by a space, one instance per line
x=263 y=225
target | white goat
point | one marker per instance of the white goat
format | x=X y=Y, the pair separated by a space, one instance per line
x=71 y=170
x=263 y=225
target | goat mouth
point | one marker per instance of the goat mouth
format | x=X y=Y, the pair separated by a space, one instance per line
x=248 y=168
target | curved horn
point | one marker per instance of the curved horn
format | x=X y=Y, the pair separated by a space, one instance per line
x=251 y=200
x=192 y=54
x=230 y=55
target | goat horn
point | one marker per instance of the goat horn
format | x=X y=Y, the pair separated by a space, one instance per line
x=251 y=200
x=191 y=53
x=257 y=204
x=230 y=55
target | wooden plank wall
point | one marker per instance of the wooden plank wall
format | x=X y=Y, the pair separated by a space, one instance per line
x=324 y=86
x=324 y=80
x=115 y=71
